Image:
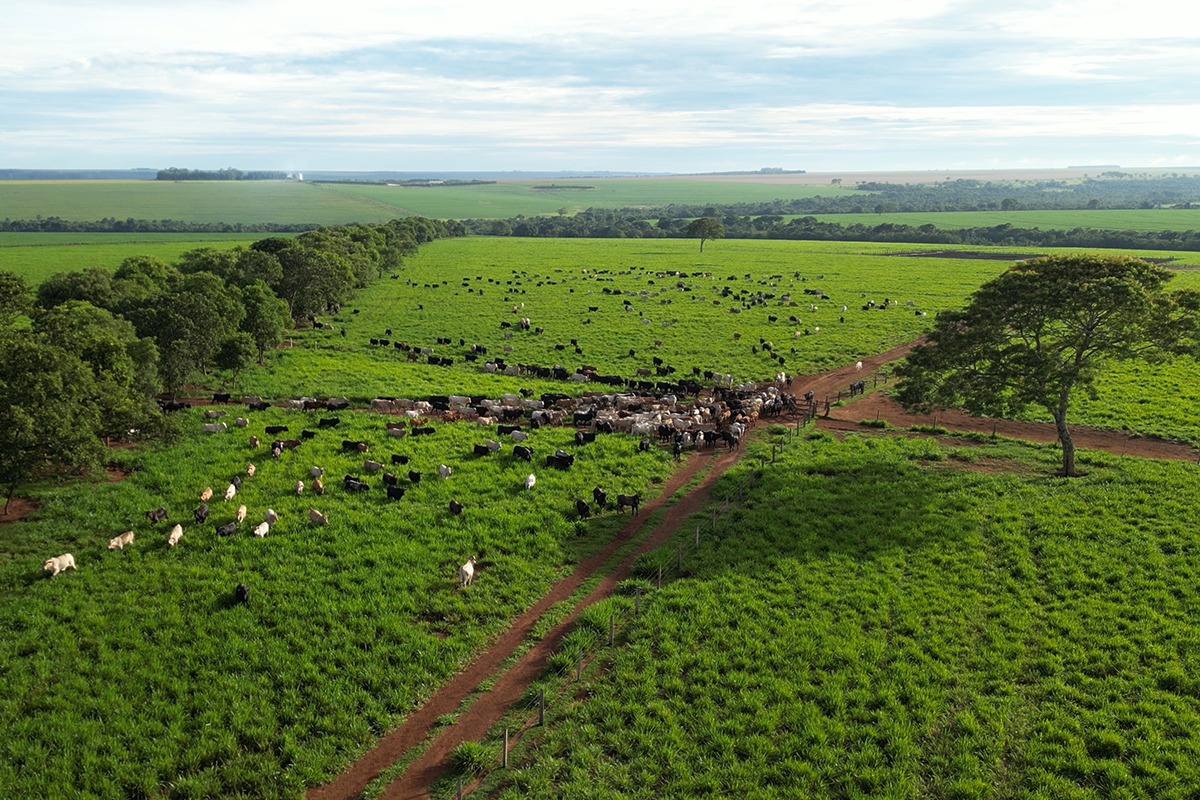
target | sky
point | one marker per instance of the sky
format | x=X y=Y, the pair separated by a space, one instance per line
x=459 y=85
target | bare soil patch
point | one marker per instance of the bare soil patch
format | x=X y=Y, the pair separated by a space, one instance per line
x=18 y=508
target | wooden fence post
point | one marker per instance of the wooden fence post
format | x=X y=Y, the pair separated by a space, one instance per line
x=612 y=628
x=697 y=536
x=459 y=792
x=541 y=706
x=637 y=600
x=504 y=763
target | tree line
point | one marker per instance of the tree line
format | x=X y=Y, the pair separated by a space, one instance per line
x=85 y=356
x=227 y=174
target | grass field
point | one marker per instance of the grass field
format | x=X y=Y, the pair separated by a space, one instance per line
x=902 y=619
x=1159 y=219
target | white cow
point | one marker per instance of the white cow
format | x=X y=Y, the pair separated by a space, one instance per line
x=213 y=427
x=270 y=516
x=530 y=481
x=299 y=488
x=262 y=529
x=251 y=469
x=241 y=513
x=58 y=564
x=119 y=542
x=230 y=491
x=317 y=517
x=466 y=573
x=858 y=367
x=175 y=535
x=444 y=471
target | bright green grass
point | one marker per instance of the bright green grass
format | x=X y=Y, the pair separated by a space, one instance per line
x=510 y=198
x=189 y=201
x=37 y=256
x=874 y=621
x=1162 y=219
x=134 y=676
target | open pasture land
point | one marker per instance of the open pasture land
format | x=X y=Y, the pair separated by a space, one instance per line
x=642 y=292
x=1158 y=219
x=37 y=256
x=136 y=674
x=246 y=202
x=884 y=617
x=507 y=199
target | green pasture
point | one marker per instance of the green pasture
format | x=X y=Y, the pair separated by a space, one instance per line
x=36 y=256
x=1156 y=219
x=135 y=676
x=247 y=202
x=904 y=619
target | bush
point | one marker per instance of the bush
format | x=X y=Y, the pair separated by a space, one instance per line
x=470 y=758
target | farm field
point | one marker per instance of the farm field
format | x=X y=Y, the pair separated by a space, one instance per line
x=36 y=256
x=136 y=675
x=884 y=617
x=1158 y=219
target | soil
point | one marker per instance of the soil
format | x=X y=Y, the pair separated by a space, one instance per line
x=18 y=508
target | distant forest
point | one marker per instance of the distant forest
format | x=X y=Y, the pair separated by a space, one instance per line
x=228 y=174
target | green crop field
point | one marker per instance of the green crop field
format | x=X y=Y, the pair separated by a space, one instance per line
x=902 y=619
x=36 y=256
x=134 y=675
x=1159 y=219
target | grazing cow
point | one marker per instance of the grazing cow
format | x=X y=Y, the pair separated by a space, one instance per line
x=455 y=507
x=241 y=422
x=858 y=367
x=521 y=451
x=201 y=513
x=305 y=435
x=317 y=486
x=213 y=427
x=493 y=446
x=560 y=460
x=262 y=529
x=399 y=459
x=276 y=449
x=424 y=431
x=414 y=476
x=317 y=518
x=481 y=449
x=466 y=573
x=519 y=436
x=270 y=516
x=530 y=481
x=634 y=501
x=174 y=536
x=262 y=405
x=59 y=563
x=585 y=437
x=350 y=446
x=219 y=397
x=230 y=491
x=119 y=542
x=644 y=445
x=241 y=594
x=352 y=484
x=275 y=430
x=237 y=481
x=600 y=496
x=250 y=470
x=286 y=444
x=228 y=529
x=394 y=492
x=255 y=441
x=444 y=471
x=315 y=472
x=241 y=513
x=299 y=488
x=390 y=480
x=581 y=508
x=372 y=466
x=160 y=513
x=330 y=422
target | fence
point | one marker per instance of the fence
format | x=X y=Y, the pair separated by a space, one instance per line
x=684 y=543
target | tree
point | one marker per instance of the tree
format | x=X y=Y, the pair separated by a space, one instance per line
x=267 y=317
x=15 y=297
x=235 y=353
x=705 y=228
x=1044 y=329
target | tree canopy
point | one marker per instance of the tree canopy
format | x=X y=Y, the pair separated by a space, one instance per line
x=1044 y=329
x=705 y=228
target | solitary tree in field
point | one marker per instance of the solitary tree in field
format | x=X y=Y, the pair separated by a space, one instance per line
x=1044 y=329
x=705 y=228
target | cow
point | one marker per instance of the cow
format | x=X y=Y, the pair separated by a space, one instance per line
x=241 y=513
x=600 y=496
x=119 y=542
x=261 y=405
x=214 y=427
x=581 y=508
x=201 y=513
x=275 y=430
x=444 y=471
x=585 y=437
x=214 y=413
x=241 y=594
x=299 y=488
x=493 y=445
x=230 y=491
x=270 y=516
x=255 y=441
x=219 y=397
x=466 y=573
x=399 y=459
x=160 y=513
x=523 y=452
x=372 y=466
x=262 y=529
x=305 y=435
x=352 y=484
x=481 y=449
x=394 y=492
x=455 y=507
x=424 y=431
x=390 y=480
x=174 y=536
x=250 y=470
x=317 y=486
x=414 y=476
x=634 y=501
x=228 y=529
x=644 y=445
x=317 y=518
x=530 y=481
x=328 y=422
x=59 y=563
x=351 y=446
x=241 y=422
x=560 y=460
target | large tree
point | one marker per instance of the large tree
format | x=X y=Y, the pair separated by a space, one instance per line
x=1044 y=329
x=705 y=228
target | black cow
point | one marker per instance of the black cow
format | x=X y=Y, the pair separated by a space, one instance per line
x=228 y=529
x=414 y=476
x=237 y=481
x=307 y=434
x=157 y=515
x=262 y=405
x=634 y=501
x=581 y=508
x=481 y=449
x=398 y=459
x=505 y=430
x=560 y=460
x=328 y=422
x=584 y=417
x=424 y=431
x=390 y=480
x=521 y=451
x=455 y=507
x=337 y=405
x=584 y=437
x=275 y=430
x=241 y=593
x=220 y=397
x=201 y=513
x=349 y=445
x=600 y=496
x=394 y=492
x=353 y=484
x=644 y=445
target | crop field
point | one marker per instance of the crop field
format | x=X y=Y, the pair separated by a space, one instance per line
x=37 y=256
x=1159 y=219
x=135 y=675
x=896 y=618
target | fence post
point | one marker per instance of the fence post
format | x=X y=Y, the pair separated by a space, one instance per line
x=697 y=536
x=504 y=763
x=541 y=706
x=459 y=792
x=579 y=667
x=660 y=576
x=679 y=556
x=637 y=600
